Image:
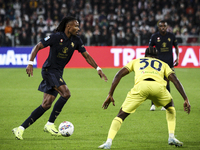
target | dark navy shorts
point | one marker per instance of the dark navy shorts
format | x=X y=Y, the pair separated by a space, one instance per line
x=50 y=80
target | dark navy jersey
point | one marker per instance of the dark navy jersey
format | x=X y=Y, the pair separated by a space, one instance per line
x=164 y=45
x=61 y=50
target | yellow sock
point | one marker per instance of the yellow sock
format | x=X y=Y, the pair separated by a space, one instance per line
x=171 y=119
x=114 y=128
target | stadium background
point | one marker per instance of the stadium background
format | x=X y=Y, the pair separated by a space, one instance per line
x=114 y=23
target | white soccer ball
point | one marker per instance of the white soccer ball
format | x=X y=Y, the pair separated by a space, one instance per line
x=66 y=128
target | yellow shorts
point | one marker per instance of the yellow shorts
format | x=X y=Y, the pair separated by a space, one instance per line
x=146 y=90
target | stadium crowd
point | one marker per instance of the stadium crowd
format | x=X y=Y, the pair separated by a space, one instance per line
x=102 y=22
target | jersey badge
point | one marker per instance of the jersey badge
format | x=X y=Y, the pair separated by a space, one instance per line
x=158 y=39
x=65 y=49
x=61 y=40
x=164 y=44
x=169 y=39
x=72 y=44
x=61 y=80
x=46 y=38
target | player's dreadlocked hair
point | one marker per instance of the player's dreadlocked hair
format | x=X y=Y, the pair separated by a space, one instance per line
x=151 y=51
x=63 y=23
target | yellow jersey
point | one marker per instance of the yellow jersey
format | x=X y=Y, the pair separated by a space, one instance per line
x=148 y=67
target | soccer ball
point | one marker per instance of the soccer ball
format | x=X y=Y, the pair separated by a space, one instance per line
x=66 y=128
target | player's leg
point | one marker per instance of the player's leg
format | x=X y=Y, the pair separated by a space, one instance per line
x=132 y=101
x=171 y=122
x=152 y=106
x=114 y=128
x=37 y=113
x=64 y=96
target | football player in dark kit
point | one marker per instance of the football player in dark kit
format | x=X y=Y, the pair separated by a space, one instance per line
x=164 y=42
x=62 y=44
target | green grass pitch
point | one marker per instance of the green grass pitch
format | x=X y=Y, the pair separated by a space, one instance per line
x=143 y=130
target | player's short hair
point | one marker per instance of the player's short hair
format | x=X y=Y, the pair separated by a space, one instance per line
x=151 y=51
x=161 y=21
x=63 y=23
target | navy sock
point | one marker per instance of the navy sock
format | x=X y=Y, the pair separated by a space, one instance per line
x=57 y=109
x=37 y=113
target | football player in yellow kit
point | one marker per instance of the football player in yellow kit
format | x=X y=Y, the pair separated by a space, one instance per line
x=149 y=84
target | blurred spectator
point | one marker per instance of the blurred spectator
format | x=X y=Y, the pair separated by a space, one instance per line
x=1 y=39
x=47 y=29
x=112 y=16
x=102 y=16
x=39 y=36
x=145 y=36
x=17 y=8
x=193 y=31
x=8 y=28
x=103 y=23
x=2 y=12
x=178 y=36
x=89 y=18
x=166 y=9
x=17 y=21
x=2 y=27
x=184 y=30
x=40 y=10
x=40 y=23
x=121 y=33
x=176 y=28
x=189 y=10
x=159 y=16
x=24 y=39
x=87 y=9
x=144 y=26
x=184 y=21
x=104 y=38
x=89 y=37
x=96 y=35
x=33 y=4
x=16 y=37
x=129 y=37
x=7 y=42
x=121 y=41
x=82 y=36
x=112 y=38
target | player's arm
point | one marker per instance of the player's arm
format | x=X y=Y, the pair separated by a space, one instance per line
x=172 y=77
x=29 y=68
x=91 y=61
x=115 y=82
x=177 y=56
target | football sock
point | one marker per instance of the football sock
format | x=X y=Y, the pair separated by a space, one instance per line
x=114 y=128
x=171 y=119
x=37 y=113
x=57 y=109
x=21 y=127
x=171 y=135
x=49 y=123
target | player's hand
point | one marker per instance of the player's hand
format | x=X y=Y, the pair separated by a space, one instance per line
x=29 y=70
x=107 y=102
x=176 y=62
x=102 y=75
x=187 y=106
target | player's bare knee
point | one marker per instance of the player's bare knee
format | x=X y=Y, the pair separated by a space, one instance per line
x=46 y=106
x=66 y=95
x=47 y=101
